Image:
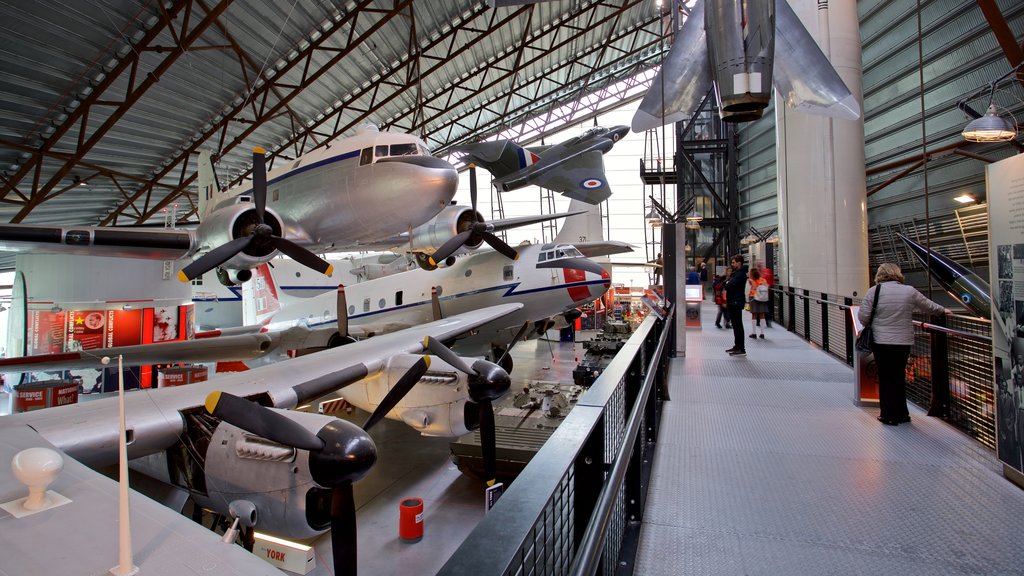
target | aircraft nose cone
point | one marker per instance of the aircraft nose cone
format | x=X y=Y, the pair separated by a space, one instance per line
x=619 y=132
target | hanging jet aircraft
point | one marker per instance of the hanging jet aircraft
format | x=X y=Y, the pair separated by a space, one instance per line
x=359 y=189
x=740 y=48
x=280 y=471
x=574 y=168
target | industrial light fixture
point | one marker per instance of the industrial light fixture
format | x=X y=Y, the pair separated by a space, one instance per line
x=773 y=239
x=991 y=127
x=965 y=198
x=747 y=239
x=653 y=219
x=695 y=216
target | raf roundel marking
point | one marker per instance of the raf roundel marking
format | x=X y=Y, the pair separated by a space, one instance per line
x=965 y=298
x=591 y=183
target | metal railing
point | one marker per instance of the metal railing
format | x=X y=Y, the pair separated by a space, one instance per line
x=950 y=368
x=577 y=506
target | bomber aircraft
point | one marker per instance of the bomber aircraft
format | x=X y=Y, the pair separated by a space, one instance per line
x=358 y=189
x=234 y=447
x=743 y=49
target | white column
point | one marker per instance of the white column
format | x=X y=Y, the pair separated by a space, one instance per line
x=822 y=185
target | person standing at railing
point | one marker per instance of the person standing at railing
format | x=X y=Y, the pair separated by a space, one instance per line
x=736 y=299
x=888 y=306
x=720 y=302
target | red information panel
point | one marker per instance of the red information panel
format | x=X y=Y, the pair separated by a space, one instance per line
x=87 y=328
x=66 y=394
x=45 y=332
x=26 y=400
x=124 y=327
x=165 y=324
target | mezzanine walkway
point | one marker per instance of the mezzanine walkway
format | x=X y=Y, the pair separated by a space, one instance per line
x=764 y=465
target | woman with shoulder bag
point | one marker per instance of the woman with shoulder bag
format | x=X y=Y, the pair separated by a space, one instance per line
x=888 y=307
x=758 y=298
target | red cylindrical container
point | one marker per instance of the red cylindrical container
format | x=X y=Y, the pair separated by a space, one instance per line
x=410 y=520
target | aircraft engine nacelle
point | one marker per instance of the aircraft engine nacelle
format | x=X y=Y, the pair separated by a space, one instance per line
x=741 y=46
x=233 y=222
x=273 y=480
x=436 y=405
x=452 y=220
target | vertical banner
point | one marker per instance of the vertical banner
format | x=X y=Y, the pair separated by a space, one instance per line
x=165 y=323
x=124 y=328
x=1005 y=189
x=45 y=332
x=86 y=328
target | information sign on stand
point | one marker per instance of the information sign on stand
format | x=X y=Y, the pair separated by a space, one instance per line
x=865 y=370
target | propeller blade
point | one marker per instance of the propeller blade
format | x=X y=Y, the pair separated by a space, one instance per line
x=213 y=258
x=435 y=303
x=261 y=421
x=259 y=181
x=500 y=245
x=445 y=353
x=342 y=311
x=398 y=391
x=449 y=247
x=343 y=530
x=301 y=255
x=488 y=442
x=472 y=189
x=522 y=330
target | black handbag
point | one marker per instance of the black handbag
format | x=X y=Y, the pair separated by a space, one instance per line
x=865 y=339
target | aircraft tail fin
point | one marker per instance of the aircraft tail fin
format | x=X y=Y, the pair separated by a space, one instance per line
x=586 y=227
x=260 y=297
x=207 y=181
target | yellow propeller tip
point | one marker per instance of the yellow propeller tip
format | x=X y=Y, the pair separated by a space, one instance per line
x=425 y=340
x=430 y=260
x=259 y=150
x=516 y=258
x=182 y=276
x=472 y=165
x=491 y=483
x=330 y=270
x=426 y=359
x=211 y=401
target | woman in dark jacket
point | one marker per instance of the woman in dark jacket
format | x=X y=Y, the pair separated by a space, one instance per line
x=892 y=304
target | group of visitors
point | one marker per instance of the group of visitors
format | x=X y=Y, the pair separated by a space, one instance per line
x=732 y=294
x=887 y=307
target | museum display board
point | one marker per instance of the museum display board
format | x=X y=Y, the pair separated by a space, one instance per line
x=1005 y=190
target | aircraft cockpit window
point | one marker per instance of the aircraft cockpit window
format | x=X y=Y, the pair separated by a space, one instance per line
x=366 y=156
x=380 y=151
x=409 y=149
x=542 y=257
x=508 y=272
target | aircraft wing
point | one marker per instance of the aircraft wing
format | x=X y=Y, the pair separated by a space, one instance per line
x=804 y=77
x=86 y=432
x=579 y=176
x=80 y=537
x=683 y=80
x=213 y=349
x=153 y=244
x=602 y=248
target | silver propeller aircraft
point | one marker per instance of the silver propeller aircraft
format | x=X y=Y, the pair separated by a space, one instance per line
x=359 y=189
x=736 y=47
x=236 y=448
x=574 y=168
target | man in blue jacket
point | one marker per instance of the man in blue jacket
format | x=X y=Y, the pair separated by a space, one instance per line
x=736 y=299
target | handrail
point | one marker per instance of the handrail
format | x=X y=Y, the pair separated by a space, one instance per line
x=953 y=331
x=592 y=546
x=498 y=540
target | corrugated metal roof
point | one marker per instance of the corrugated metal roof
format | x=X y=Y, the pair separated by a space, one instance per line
x=153 y=81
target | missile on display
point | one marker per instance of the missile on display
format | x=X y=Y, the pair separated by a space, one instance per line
x=962 y=284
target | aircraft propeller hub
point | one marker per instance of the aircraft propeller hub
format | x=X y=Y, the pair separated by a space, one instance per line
x=347 y=455
x=489 y=383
